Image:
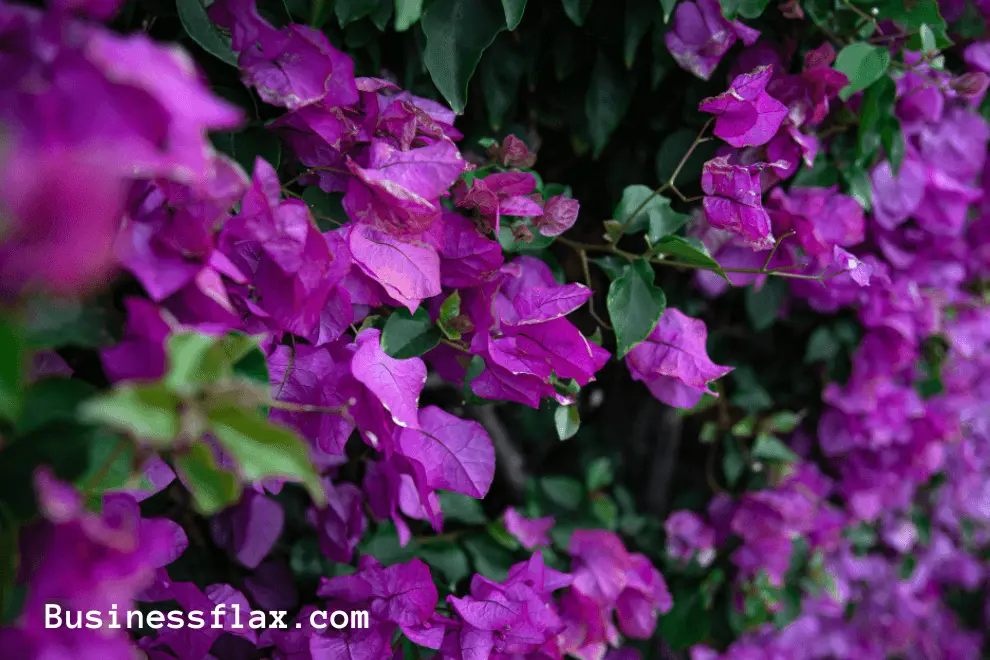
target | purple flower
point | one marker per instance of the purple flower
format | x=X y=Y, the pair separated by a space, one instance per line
x=250 y=528
x=503 y=193
x=559 y=214
x=458 y=454
x=688 y=536
x=747 y=115
x=732 y=201
x=821 y=218
x=673 y=361
x=530 y=532
x=700 y=36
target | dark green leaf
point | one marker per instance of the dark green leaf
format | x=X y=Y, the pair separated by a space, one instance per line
x=409 y=335
x=689 y=250
x=635 y=306
x=686 y=624
x=612 y=265
x=638 y=19
x=763 y=306
x=383 y=545
x=500 y=535
x=749 y=394
x=863 y=64
x=600 y=474
x=893 y=142
x=770 y=448
x=640 y=203
x=58 y=322
x=501 y=72
x=382 y=14
x=733 y=462
x=876 y=114
x=263 y=449
x=668 y=8
x=489 y=558
x=457 y=33
x=349 y=11
x=248 y=145
x=513 y=12
x=52 y=400
x=450 y=310
x=664 y=221
x=110 y=465
x=12 y=368
x=822 y=346
x=212 y=488
x=577 y=10
x=148 y=412
x=858 y=186
x=461 y=508
x=609 y=92
x=567 y=420
x=446 y=558
x=565 y=492
x=407 y=13
x=745 y=8
x=199 y=27
x=606 y=511
x=253 y=366
x=9 y=558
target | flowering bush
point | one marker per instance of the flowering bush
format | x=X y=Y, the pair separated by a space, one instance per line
x=283 y=334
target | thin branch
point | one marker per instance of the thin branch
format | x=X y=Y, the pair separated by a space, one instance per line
x=667 y=184
x=774 y=250
x=591 y=299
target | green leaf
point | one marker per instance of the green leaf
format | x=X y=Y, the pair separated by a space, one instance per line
x=688 y=249
x=635 y=306
x=638 y=19
x=893 y=142
x=199 y=27
x=770 y=448
x=513 y=12
x=609 y=92
x=501 y=72
x=577 y=10
x=110 y=465
x=822 y=346
x=612 y=265
x=668 y=9
x=500 y=535
x=12 y=369
x=253 y=366
x=876 y=115
x=749 y=394
x=326 y=207
x=263 y=449
x=687 y=622
x=383 y=545
x=745 y=8
x=52 y=400
x=248 y=145
x=638 y=202
x=9 y=558
x=733 y=462
x=57 y=322
x=446 y=558
x=664 y=221
x=863 y=64
x=858 y=186
x=212 y=488
x=567 y=420
x=349 y=11
x=457 y=33
x=148 y=412
x=409 y=335
x=489 y=558
x=450 y=310
x=407 y=14
x=600 y=474
x=565 y=492
x=197 y=359
x=461 y=508
x=606 y=511
x=763 y=306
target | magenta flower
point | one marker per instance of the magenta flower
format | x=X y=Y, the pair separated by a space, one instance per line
x=821 y=218
x=530 y=532
x=700 y=36
x=732 y=200
x=673 y=361
x=747 y=115
x=505 y=193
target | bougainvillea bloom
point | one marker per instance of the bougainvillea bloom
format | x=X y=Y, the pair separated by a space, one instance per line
x=700 y=36
x=732 y=201
x=746 y=115
x=673 y=361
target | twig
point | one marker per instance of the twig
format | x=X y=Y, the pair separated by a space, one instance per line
x=591 y=299
x=774 y=250
x=667 y=184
